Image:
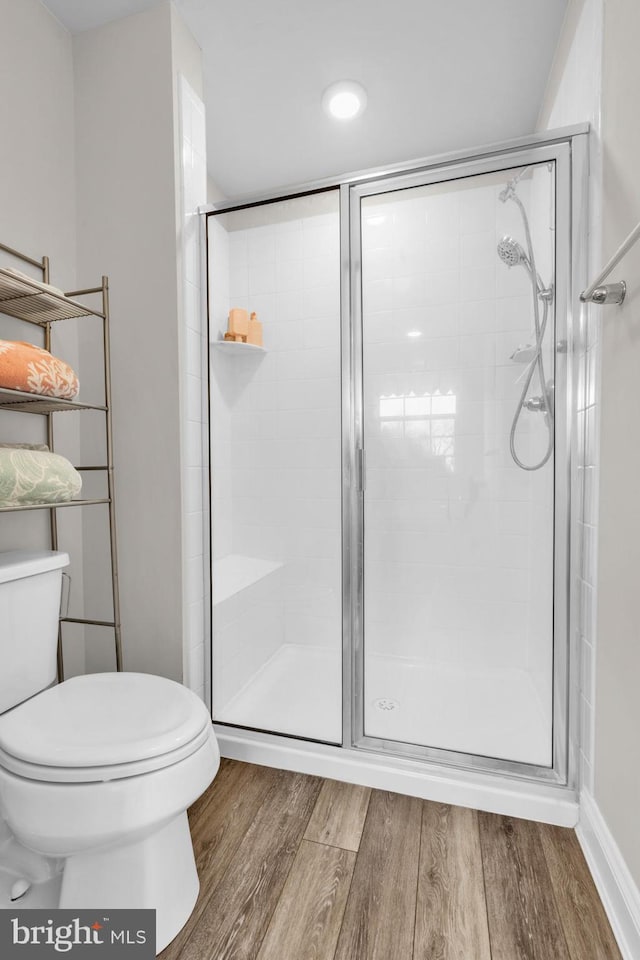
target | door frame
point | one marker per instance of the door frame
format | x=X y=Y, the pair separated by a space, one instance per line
x=569 y=162
x=566 y=677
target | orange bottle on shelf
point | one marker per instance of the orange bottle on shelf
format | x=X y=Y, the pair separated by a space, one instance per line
x=254 y=332
x=238 y=322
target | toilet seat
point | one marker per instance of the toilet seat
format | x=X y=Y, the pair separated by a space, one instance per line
x=103 y=727
x=118 y=771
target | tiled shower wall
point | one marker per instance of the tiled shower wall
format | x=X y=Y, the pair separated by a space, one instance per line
x=221 y=503
x=456 y=552
x=193 y=343
x=286 y=422
x=276 y=432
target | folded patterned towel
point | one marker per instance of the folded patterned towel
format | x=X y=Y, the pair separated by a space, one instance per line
x=24 y=366
x=36 y=476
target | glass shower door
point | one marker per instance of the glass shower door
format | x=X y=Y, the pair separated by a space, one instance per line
x=275 y=455
x=459 y=378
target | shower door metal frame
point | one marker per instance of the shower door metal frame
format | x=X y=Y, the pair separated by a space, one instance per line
x=570 y=318
x=568 y=159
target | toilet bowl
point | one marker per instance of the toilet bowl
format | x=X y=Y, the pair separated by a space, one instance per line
x=96 y=775
x=99 y=771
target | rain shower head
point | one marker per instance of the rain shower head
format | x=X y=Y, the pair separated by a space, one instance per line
x=511 y=253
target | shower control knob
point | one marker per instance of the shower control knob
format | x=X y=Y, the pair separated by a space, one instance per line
x=535 y=404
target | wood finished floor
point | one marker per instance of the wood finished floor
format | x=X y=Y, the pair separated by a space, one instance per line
x=293 y=867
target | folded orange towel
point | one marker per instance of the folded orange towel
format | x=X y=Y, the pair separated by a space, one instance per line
x=24 y=366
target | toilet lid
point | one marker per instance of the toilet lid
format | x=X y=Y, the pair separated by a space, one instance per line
x=103 y=719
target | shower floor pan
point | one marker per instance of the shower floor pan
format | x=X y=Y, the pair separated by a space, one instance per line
x=494 y=713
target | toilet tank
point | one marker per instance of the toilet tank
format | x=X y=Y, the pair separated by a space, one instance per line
x=30 y=586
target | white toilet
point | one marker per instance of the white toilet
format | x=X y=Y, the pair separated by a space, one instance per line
x=96 y=773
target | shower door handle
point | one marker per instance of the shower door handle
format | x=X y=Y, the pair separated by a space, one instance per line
x=361 y=469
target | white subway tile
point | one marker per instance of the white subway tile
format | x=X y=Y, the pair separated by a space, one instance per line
x=289 y=242
x=194 y=319
x=586 y=732
x=196 y=668
x=289 y=278
x=478 y=249
x=193 y=398
x=196 y=635
x=261 y=246
x=477 y=211
x=193 y=444
x=238 y=283
x=513 y=313
x=193 y=353
x=321 y=240
x=477 y=283
x=194 y=577
x=264 y=305
x=262 y=278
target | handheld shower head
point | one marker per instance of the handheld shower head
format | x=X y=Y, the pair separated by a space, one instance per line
x=509 y=191
x=511 y=253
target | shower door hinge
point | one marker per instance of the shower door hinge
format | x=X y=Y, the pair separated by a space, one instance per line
x=361 y=469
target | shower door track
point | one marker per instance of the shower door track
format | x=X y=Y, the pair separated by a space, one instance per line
x=568 y=148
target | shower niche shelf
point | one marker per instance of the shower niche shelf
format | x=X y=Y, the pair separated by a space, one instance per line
x=234 y=349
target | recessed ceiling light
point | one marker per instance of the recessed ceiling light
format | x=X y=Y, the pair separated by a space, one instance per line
x=414 y=333
x=344 y=100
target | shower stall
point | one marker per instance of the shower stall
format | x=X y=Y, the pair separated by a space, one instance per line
x=391 y=472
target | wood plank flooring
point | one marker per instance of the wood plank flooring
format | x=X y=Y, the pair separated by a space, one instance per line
x=451 y=913
x=293 y=867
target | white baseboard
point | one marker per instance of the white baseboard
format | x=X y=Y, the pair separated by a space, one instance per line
x=618 y=891
x=495 y=794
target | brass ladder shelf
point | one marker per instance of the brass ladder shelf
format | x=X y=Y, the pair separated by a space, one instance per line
x=29 y=301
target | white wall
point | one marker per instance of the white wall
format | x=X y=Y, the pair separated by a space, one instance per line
x=127 y=228
x=596 y=78
x=617 y=716
x=37 y=216
x=96 y=152
x=37 y=192
x=37 y=185
x=573 y=96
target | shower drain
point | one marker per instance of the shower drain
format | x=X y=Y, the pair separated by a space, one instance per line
x=384 y=703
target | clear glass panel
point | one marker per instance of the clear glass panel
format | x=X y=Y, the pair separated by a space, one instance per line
x=458 y=570
x=275 y=442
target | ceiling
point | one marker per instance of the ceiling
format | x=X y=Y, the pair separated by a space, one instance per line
x=440 y=75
